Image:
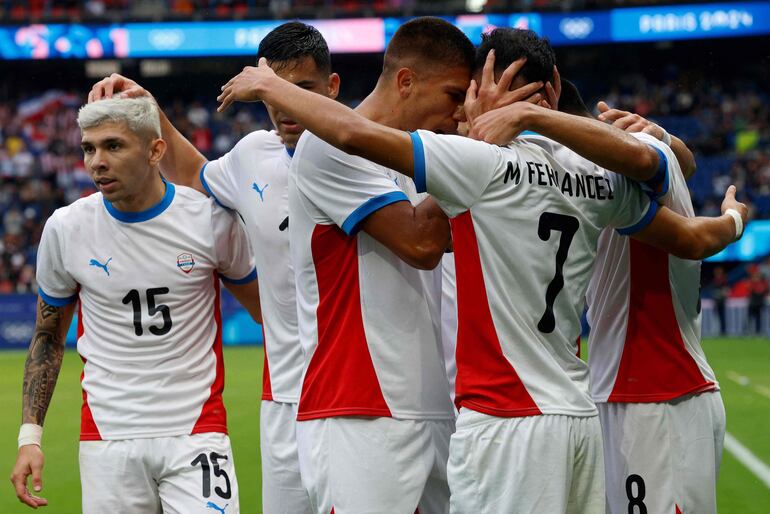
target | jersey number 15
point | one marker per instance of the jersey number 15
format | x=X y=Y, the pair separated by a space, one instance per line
x=134 y=299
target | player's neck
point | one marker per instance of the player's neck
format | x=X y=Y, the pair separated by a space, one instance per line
x=377 y=107
x=144 y=199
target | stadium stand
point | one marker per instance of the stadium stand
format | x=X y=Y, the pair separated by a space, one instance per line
x=89 y=10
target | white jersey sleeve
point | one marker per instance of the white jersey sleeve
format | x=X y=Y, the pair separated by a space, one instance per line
x=659 y=186
x=345 y=188
x=56 y=286
x=220 y=177
x=234 y=258
x=456 y=170
x=633 y=208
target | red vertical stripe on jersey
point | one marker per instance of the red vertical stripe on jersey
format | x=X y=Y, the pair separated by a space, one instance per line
x=340 y=379
x=213 y=416
x=88 y=429
x=655 y=365
x=677 y=509
x=267 y=389
x=486 y=380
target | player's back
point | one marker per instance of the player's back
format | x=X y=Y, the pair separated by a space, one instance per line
x=252 y=179
x=368 y=321
x=644 y=312
x=149 y=330
x=525 y=242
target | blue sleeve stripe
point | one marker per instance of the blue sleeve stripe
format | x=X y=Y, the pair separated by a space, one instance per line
x=419 y=162
x=350 y=226
x=661 y=177
x=642 y=223
x=207 y=188
x=252 y=276
x=56 y=302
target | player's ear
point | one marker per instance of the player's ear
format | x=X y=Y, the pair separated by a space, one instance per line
x=156 y=151
x=333 y=86
x=405 y=79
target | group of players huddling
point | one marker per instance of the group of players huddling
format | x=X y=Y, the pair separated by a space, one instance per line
x=400 y=266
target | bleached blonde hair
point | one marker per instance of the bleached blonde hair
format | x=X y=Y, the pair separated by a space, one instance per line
x=140 y=115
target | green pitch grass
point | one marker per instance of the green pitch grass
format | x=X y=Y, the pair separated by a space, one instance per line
x=741 y=366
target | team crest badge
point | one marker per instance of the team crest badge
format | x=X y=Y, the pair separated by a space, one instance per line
x=185 y=262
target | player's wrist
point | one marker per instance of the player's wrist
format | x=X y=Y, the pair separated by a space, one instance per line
x=30 y=433
x=665 y=137
x=738 y=221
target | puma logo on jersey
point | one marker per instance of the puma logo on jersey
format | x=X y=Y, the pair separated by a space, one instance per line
x=98 y=264
x=284 y=224
x=212 y=505
x=261 y=191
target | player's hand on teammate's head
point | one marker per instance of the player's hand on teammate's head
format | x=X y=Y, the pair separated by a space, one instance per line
x=501 y=126
x=246 y=86
x=628 y=121
x=730 y=202
x=29 y=462
x=552 y=91
x=116 y=86
x=490 y=95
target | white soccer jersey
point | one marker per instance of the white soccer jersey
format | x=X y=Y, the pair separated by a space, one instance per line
x=368 y=321
x=525 y=231
x=253 y=179
x=449 y=317
x=644 y=312
x=149 y=328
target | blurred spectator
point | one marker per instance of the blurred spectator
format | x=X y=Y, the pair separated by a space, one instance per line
x=720 y=291
x=758 y=290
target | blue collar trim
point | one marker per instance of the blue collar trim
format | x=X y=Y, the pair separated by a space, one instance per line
x=290 y=151
x=145 y=215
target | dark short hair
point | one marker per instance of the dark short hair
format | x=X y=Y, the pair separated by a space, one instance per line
x=295 y=40
x=431 y=39
x=512 y=44
x=570 y=100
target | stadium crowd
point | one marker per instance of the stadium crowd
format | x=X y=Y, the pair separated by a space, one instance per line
x=41 y=165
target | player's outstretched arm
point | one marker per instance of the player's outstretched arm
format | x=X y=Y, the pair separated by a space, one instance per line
x=699 y=237
x=598 y=142
x=337 y=124
x=631 y=122
x=182 y=162
x=46 y=351
x=248 y=296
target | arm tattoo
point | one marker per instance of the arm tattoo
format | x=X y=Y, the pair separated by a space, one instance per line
x=44 y=360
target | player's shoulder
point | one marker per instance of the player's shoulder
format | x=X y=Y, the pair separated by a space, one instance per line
x=78 y=211
x=189 y=199
x=313 y=155
x=192 y=204
x=545 y=148
x=259 y=142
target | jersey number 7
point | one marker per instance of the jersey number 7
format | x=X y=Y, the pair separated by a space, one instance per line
x=568 y=226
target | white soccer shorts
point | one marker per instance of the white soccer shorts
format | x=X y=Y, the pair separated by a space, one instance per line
x=537 y=464
x=189 y=474
x=663 y=457
x=282 y=489
x=375 y=465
